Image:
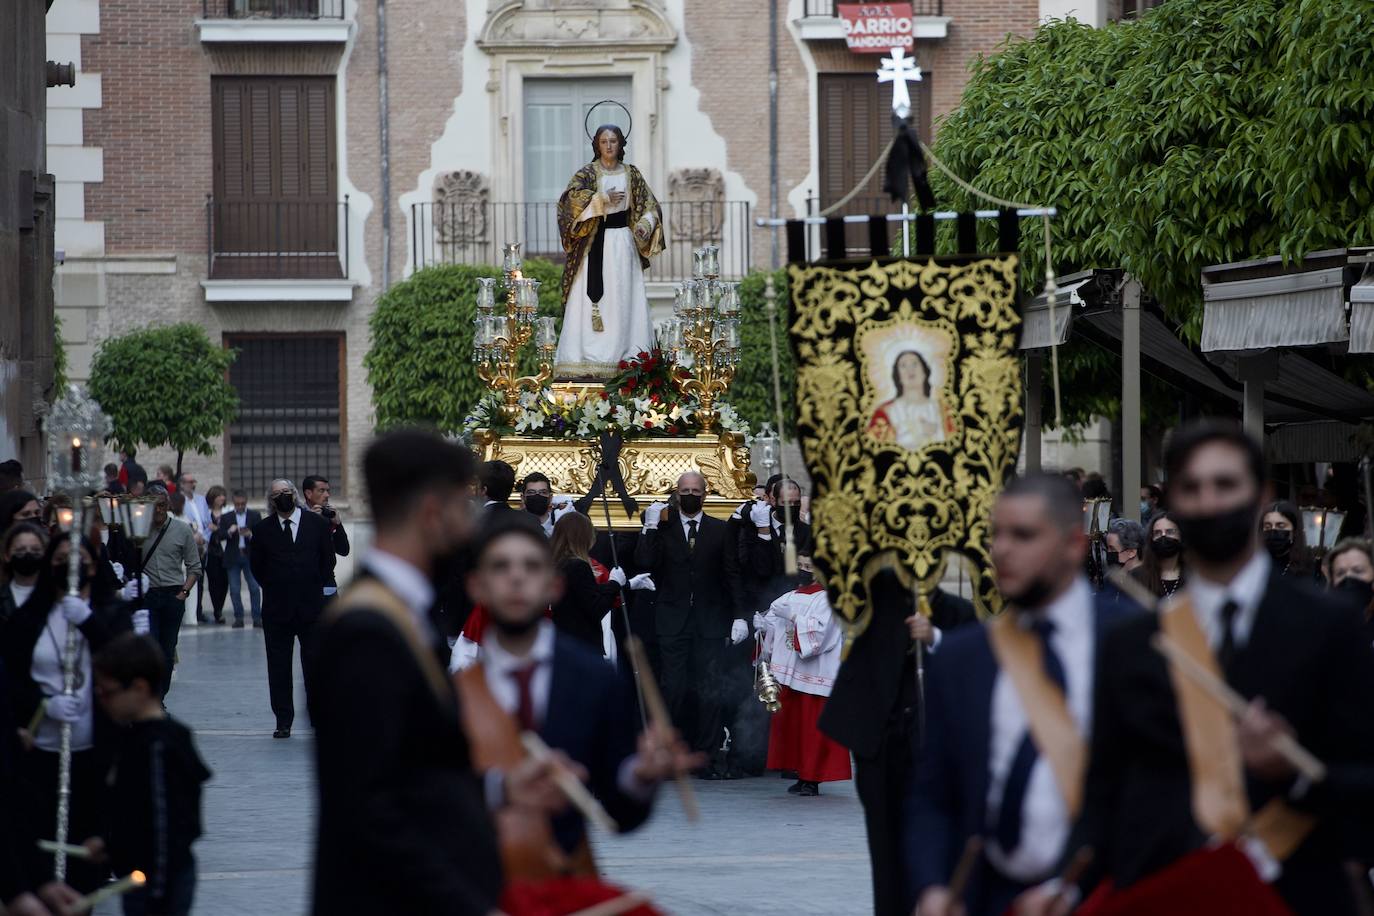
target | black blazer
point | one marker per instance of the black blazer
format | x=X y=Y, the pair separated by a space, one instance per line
x=593 y=719
x=339 y=537
x=875 y=690
x=403 y=824
x=292 y=573
x=1306 y=657
x=697 y=592
x=763 y=565
x=230 y=545
x=578 y=613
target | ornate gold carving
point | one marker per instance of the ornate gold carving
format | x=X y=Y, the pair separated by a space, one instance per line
x=879 y=504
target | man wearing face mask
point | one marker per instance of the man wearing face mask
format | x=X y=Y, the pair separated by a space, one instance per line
x=1173 y=774
x=537 y=494
x=171 y=561
x=1124 y=540
x=292 y=559
x=1008 y=706
x=695 y=569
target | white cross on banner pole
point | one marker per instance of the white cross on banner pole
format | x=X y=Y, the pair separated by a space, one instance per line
x=898 y=69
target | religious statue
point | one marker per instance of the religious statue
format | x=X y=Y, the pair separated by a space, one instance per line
x=914 y=417
x=610 y=224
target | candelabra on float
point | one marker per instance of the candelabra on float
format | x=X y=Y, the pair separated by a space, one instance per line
x=702 y=338
x=500 y=335
x=76 y=440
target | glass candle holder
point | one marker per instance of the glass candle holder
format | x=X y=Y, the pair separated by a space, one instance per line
x=545 y=332
x=698 y=262
x=728 y=303
x=701 y=296
x=511 y=260
x=681 y=299
x=710 y=255
x=731 y=336
x=527 y=297
x=486 y=294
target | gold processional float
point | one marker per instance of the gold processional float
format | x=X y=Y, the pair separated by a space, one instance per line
x=665 y=410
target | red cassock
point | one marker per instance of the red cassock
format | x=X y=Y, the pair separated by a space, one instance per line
x=1202 y=883
x=795 y=743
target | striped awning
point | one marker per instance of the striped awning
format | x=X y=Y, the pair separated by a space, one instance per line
x=1362 y=314
x=1288 y=310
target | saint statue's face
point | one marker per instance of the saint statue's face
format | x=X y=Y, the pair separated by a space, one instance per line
x=608 y=144
x=911 y=374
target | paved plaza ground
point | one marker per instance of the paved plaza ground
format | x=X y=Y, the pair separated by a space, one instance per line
x=755 y=850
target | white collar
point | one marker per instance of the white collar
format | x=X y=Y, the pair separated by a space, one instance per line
x=1068 y=610
x=412 y=586
x=295 y=518
x=1246 y=589
x=690 y=518
x=499 y=660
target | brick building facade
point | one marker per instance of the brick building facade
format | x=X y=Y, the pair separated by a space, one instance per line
x=224 y=162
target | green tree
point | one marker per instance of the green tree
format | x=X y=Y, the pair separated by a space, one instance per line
x=751 y=393
x=1208 y=131
x=165 y=386
x=420 y=362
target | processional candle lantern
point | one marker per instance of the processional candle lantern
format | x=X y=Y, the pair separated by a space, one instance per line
x=486 y=295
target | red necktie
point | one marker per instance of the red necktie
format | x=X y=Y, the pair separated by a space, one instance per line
x=524 y=710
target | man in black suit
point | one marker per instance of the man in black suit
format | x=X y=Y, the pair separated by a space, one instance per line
x=874 y=711
x=403 y=821
x=235 y=534
x=316 y=489
x=292 y=559
x=694 y=565
x=1292 y=652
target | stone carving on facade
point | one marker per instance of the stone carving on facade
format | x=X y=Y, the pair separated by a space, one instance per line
x=697 y=199
x=462 y=205
x=575 y=23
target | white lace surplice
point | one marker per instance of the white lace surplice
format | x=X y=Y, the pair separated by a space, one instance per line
x=582 y=352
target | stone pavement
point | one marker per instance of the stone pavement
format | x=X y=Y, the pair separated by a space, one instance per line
x=756 y=849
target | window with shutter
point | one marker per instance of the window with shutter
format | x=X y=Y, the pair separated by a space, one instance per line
x=275 y=209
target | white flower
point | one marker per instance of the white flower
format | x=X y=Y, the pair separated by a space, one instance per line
x=528 y=420
x=602 y=407
x=657 y=418
x=529 y=398
x=679 y=412
x=642 y=404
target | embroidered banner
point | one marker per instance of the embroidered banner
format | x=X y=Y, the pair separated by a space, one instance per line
x=909 y=417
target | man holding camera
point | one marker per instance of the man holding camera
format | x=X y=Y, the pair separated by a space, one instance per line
x=316 y=493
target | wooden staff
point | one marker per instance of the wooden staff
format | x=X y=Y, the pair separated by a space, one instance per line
x=572 y=787
x=658 y=713
x=963 y=870
x=789 y=549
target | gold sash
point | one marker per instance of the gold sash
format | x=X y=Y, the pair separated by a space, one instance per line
x=371 y=595
x=1052 y=728
x=1220 y=806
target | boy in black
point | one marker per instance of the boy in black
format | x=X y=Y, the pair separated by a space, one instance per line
x=155 y=780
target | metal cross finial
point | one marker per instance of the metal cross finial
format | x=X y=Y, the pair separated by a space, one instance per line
x=899 y=70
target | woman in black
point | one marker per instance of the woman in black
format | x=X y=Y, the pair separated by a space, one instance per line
x=585 y=599
x=33 y=644
x=216 y=576
x=1282 y=535
x=1162 y=569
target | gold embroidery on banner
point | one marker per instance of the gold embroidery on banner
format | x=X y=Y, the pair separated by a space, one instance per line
x=880 y=504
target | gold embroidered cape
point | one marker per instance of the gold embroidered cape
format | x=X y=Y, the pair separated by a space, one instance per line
x=577 y=236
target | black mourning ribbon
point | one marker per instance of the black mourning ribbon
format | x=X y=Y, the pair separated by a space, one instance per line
x=906 y=165
x=596 y=283
x=608 y=472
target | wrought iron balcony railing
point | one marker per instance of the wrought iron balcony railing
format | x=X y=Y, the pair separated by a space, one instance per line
x=473 y=232
x=919 y=7
x=272 y=9
x=277 y=239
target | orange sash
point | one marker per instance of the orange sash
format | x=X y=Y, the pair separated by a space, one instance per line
x=1052 y=727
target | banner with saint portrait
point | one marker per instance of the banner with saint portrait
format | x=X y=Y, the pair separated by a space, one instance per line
x=909 y=417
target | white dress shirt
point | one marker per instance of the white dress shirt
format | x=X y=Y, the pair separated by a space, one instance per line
x=1045 y=818
x=241 y=519
x=499 y=666
x=295 y=517
x=410 y=585
x=197 y=508
x=1246 y=589
x=686 y=532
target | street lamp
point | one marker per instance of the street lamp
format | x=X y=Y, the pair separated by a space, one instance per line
x=1321 y=527
x=76 y=429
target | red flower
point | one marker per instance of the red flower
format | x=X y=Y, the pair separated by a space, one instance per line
x=648 y=424
x=643 y=355
x=656 y=383
x=655 y=399
x=624 y=364
x=627 y=391
x=649 y=364
x=605 y=395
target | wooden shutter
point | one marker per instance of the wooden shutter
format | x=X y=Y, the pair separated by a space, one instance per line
x=853 y=121
x=274 y=139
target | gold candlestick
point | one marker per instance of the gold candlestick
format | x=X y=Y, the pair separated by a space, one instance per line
x=707 y=329
x=502 y=335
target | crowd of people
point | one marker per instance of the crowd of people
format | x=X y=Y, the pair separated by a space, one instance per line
x=497 y=644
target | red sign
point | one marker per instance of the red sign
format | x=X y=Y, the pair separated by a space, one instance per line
x=877 y=28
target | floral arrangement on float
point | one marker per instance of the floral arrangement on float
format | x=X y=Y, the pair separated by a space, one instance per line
x=643 y=399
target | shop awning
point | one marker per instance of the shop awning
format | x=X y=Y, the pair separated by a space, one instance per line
x=1362 y=313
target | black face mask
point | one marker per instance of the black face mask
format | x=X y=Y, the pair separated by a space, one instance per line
x=537 y=503
x=1113 y=558
x=781 y=512
x=1221 y=536
x=25 y=563
x=285 y=502
x=1359 y=591
x=1166 y=546
x=1279 y=543
x=1036 y=593
x=689 y=503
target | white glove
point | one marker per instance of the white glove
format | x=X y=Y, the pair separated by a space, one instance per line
x=654 y=515
x=618 y=576
x=131 y=590
x=760 y=622
x=143 y=621
x=118 y=570
x=642 y=583
x=75 y=610
x=758 y=514
x=64 y=708
x=738 y=631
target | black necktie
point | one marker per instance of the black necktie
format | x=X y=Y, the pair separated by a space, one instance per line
x=1009 y=812
x=691 y=535
x=286 y=526
x=1226 y=655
